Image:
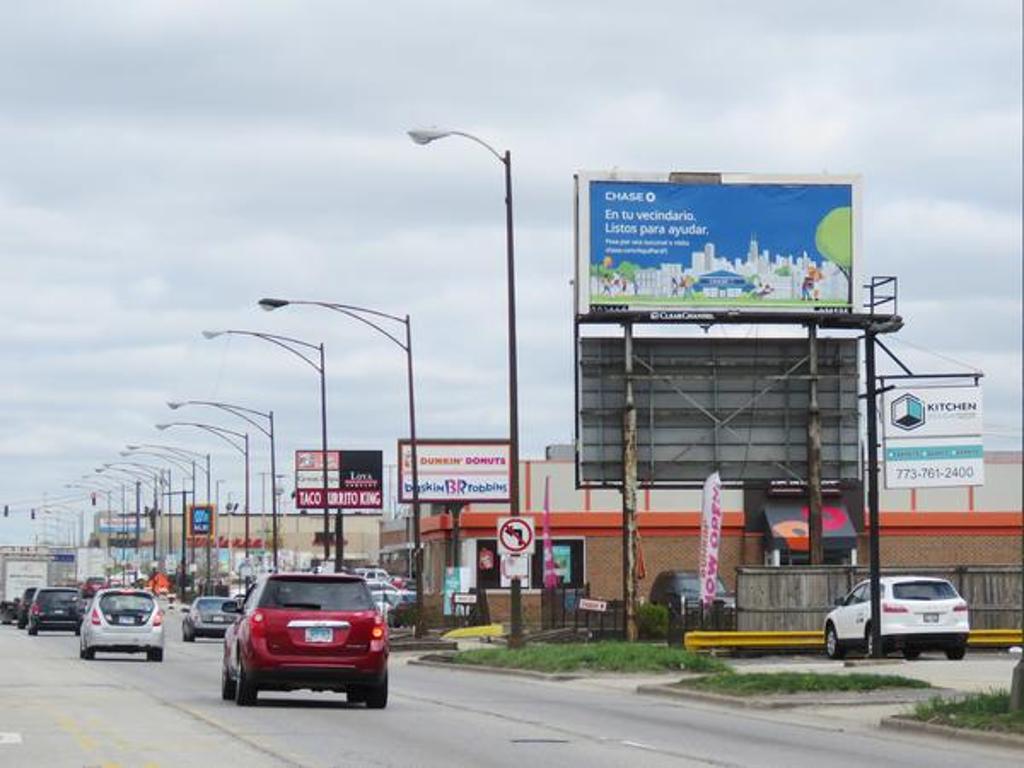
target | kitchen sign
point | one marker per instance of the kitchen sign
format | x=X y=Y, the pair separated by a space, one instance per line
x=354 y=480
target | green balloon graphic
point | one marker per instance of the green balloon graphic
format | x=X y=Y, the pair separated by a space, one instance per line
x=834 y=237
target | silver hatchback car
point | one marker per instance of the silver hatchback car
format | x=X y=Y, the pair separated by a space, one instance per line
x=123 y=621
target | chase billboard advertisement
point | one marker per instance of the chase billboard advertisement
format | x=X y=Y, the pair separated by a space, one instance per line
x=647 y=243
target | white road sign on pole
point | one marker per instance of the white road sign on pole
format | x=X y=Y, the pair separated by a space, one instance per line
x=515 y=567
x=516 y=536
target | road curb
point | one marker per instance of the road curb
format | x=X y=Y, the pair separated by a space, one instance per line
x=787 y=701
x=426 y=661
x=904 y=723
x=424 y=645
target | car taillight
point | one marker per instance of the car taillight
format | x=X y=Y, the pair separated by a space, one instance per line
x=35 y=609
x=257 y=627
x=893 y=608
x=95 y=618
x=960 y=608
x=158 y=618
x=378 y=635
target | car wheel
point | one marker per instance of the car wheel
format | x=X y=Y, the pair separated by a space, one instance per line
x=81 y=651
x=869 y=643
x=33 y=631
x=188 y=637
x=377 y=695
x=155 y=654
x=89 y=654
x=227 y=685
x=833 y=648
x=245 y=690
x=78 y=631
x=955 y=654
x=911 y=653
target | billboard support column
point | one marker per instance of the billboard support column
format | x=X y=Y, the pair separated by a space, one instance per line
x=138 y=527
x=872 y=416
x=816 y=550
x=629 y=482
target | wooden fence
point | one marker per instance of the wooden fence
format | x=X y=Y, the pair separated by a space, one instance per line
x=798 y=598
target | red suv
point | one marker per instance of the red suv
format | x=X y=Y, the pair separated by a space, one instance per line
x=316 y=631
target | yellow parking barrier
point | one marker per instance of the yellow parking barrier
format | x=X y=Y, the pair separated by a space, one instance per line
x=707 y=641
x=710 y=641
x=485 y=630
x=994 y=638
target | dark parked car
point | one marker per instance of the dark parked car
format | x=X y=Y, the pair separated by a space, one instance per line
x=24 y=605
x=54 y=608
x=206 y=618
x=320 y=632
x=686 y=584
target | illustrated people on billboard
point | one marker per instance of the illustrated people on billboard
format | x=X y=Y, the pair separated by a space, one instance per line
x=675 y=286
x=807 y=291
x=688 y=282
x=762 y=289
x=606 y=285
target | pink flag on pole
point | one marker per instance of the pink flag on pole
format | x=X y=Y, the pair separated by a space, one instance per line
x=550 y=571
x=710 y=537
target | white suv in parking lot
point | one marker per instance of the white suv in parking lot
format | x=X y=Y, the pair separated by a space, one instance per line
x=919 y=613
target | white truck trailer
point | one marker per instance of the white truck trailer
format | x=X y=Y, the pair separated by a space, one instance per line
x=20 y=568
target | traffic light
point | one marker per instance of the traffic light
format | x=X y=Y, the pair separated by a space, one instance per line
x=33 y=514
x=7 y=510
x=94 y=498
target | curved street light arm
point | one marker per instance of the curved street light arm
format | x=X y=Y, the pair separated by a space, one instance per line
x=220 y=432
x=281 y=341
x=181 y=453
x=235 y=410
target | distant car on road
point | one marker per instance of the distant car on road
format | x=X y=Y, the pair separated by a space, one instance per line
x=919 y=613
x=686 y=585
x=320 y=632
x=373 y=574
x=123 y=621
x=206 y=618
x=54 y=608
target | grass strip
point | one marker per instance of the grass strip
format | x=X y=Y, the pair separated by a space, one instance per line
x=770 y=683
x=979 y=711
x=592 y=657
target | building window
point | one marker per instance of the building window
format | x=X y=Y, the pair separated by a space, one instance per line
x=569 y=564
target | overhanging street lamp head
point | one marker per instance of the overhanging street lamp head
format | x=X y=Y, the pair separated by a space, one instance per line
x=174 y=405
x=427 y=135
x=212 y=334
x=271 y=304
x=162 y=427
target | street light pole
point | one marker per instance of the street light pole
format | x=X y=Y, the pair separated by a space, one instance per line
x=294 y=345
x=364 y=315
x=425 y=137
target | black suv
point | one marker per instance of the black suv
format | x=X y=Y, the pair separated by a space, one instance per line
x=54 y=608
x=686 y=586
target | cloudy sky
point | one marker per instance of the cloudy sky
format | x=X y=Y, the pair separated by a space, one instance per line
x=163 y=165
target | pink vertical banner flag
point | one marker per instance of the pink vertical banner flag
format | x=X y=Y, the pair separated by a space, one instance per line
x=550 y=572
x=710 y=538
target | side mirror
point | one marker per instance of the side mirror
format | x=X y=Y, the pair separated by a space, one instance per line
x=230 y=606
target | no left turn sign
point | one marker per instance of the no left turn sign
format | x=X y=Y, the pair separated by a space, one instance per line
x=515 y=536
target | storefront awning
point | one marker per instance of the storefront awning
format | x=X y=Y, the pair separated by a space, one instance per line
x=786 y=526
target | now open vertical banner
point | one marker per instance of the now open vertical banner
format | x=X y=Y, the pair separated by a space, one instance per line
x=710 y=537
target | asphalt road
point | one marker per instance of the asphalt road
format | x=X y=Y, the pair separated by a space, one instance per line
x=57 y=710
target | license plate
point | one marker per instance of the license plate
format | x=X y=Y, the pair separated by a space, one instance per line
x=931 y=618
x=125 y=620
x=319 y=634
x=58 y=612
x=220 y=619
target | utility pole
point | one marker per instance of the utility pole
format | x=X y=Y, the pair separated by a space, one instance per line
x=816 y=548
x=629 y=485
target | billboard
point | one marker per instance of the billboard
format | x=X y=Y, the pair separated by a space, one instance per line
x=933 y=436
x=736 y=406
x=655 y=243
x=453 y=471
x=354 y=480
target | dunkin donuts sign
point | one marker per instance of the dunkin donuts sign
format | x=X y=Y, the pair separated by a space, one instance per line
x=455 y=470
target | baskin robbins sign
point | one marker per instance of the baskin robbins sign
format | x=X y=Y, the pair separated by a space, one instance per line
x=454 y=471
x=658 y=244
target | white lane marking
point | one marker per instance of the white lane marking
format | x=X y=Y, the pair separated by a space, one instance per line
x=638 y=745
x=10 y=738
